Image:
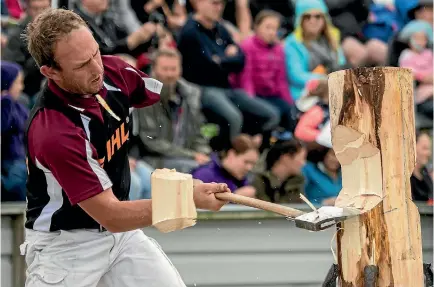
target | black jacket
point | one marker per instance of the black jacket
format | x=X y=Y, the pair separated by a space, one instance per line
x=111 y=38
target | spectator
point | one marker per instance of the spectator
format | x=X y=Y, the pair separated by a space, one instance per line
x=232 y=165
x=13 y=118
x=419 y=58
x=316 y=116
x=172 y=12
x=120 y=11
x=140 y=187
x=209 y=56
x=170 y=130
x=415 y=10
x=323 y=178
x=14 y=9
x=350 y=16
x=313 y=46
x=282 y=181
x=264 y=74
x=112 y=39
x=381 y=25
x=283 y=7
x=16 y=48
x=421 y=180
x=237 y=18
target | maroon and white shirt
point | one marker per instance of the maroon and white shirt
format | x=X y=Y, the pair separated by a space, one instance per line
x=78 y=147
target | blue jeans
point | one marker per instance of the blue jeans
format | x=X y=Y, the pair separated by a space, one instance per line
x=285 y=111
x=14 y=181
x=232 y=104
x=140 y=187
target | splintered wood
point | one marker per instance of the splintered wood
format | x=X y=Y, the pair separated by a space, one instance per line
x=173 y=205
x=372 y=123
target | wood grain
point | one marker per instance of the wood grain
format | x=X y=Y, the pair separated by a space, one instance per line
x=377 y=104
x=173 y=205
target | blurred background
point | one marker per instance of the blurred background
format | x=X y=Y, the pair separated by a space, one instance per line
x=245 y=102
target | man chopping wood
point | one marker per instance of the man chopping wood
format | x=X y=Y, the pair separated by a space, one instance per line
x=81 y=230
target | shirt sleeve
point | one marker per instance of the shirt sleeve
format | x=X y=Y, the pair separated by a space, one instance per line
x=70 y=159
x=141 y=89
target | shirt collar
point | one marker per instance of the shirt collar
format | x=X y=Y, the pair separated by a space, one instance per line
x=77 y=102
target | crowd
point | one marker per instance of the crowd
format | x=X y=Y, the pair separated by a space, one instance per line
x=245 y=96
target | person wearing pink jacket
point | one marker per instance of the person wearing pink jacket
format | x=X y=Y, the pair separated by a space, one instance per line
x=264 y=73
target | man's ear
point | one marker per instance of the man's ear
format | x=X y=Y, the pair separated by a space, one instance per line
x=49 y=72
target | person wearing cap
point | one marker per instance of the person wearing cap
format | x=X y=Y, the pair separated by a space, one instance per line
x=313 y=50
x=419 y=58
x=13 y=118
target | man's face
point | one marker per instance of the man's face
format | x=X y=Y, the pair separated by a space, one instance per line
x=81 y=69
x=211 y=9
x=167 y=69
x=36 y=7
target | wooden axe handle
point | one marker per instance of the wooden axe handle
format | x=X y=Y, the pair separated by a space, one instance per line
x=260 y=204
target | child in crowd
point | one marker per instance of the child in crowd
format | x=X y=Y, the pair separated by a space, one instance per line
x=419 y=58
x=13 y=118
x=323 y=177
x=264 y=73
x=282 y=181
x=232 y=165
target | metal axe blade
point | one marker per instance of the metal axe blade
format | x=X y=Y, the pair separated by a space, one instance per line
x=325 y=217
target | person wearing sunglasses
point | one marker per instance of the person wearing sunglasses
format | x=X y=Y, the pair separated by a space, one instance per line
x=313 y=49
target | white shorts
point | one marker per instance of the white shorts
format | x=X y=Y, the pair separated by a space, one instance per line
x=89 y=258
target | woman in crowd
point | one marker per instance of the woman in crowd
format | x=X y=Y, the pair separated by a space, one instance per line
x=313 y=49
x=421 y=179
x=323 y=177
x=282 y=181
x=232 y=165
x=264 y=74
x=13 y=118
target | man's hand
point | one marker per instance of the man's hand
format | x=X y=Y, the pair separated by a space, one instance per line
x=201 y=158
x=204 y=197
x=231 y=51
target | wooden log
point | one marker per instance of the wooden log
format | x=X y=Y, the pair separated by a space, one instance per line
x=373 y=135
x=173 y=205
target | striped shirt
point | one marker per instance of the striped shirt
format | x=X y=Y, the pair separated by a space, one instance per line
x=78 y=147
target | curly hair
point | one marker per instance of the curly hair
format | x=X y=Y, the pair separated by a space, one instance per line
x=46 y=30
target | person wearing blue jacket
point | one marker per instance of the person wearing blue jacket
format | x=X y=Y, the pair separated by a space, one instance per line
x=13 y=118
x=323 y=178
x=313 y=46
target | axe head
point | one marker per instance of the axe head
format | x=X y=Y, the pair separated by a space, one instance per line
x=325 y=217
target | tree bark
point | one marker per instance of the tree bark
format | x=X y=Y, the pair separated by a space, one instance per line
x=373 y=135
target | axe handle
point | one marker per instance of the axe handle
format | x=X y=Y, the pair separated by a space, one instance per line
x=260 y=204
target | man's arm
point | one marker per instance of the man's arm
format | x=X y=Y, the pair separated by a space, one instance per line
x=121 y=216
x=74 y=164
x=141 y=90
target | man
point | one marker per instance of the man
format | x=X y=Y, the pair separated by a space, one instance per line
x=81 y=229
x=209 y=57
x=16 y=48
x=170 y=130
